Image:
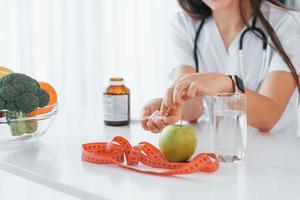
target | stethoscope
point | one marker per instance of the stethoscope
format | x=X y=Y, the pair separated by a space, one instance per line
x=259 y=32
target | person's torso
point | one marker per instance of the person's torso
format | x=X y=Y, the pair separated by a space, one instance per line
x=213 y=56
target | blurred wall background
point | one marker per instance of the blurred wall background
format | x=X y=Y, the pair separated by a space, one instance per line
x=78 y=44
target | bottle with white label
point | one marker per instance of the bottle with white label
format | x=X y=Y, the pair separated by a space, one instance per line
x=116 y=103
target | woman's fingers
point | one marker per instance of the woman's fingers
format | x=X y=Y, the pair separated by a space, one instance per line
x=175 y=96
x=146 y=112
x=172 y=119
x=168 y=100
x=160 y=124
x=193 y=90
x=152 y=126
x=163 y=108
x=179 y=93
x=154 y=122
x=144 y=121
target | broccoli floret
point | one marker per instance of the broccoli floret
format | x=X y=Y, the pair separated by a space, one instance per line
x=28 y=102
x=44 y=98
x=20 y=95
x=2 y=104
x=18 y=126
x=8 y=93
x=31 y=126
x=21 y=83
x=11 y=106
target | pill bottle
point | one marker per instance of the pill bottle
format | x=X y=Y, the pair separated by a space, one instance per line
x=116 y=103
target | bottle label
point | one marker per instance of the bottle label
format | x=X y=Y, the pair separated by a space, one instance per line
x=115 y=107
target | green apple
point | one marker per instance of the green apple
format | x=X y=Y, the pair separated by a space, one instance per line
x=178 y=142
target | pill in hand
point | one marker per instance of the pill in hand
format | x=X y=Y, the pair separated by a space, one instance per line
x=155 y=115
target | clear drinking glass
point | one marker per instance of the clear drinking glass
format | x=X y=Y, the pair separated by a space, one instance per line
x=228 y=126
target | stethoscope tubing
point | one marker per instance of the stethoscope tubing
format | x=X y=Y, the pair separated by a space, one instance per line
x=252 y=29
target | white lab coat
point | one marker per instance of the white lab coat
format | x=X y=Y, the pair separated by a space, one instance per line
x=214 y=57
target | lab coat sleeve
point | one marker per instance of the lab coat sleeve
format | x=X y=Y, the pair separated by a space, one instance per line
x=180 y=42
x=289 y=36
x=292 y=48
x=288 y=32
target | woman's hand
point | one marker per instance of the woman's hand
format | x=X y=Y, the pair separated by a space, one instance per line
x=151 y=107
x=152 y=119
x=193 y=85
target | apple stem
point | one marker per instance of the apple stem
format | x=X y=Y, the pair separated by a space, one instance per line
x=181 y=120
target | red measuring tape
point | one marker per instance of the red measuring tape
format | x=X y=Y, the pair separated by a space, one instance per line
x=146 y=153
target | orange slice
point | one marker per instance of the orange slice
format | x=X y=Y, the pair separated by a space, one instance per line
x=53 y=99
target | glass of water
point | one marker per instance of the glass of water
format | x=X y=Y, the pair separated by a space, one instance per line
x=228 y=126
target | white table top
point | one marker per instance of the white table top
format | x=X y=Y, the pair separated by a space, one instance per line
x=271 y=169
x=13 y=187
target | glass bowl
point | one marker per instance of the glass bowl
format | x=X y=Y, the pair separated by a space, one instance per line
x=25 y=130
